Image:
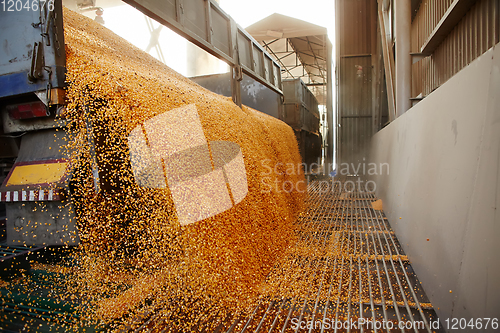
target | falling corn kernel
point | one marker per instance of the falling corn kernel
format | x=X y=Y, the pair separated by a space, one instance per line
x=131 y=236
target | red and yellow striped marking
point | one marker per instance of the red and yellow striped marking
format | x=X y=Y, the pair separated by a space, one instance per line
x=31 y=195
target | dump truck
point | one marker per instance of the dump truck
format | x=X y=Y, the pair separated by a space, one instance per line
x=34 y=170
x=39 y=178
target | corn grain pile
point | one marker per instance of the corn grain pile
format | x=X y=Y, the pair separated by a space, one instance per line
x=134 y=250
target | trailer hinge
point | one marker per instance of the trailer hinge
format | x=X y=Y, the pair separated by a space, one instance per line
x=37 y=63
x=46 y=21
x=56 y=35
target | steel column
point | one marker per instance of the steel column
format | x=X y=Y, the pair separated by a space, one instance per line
x=403 y=58
x=329 y=106
x=388 y=65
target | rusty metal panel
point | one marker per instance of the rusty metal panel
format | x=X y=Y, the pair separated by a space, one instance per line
x=355 y=102
x=253 y=93
x=258 y=60
x=355 y=22
x=355 y=94
x=475 y=33
x=194 y=19
x=356 y=19
x=426 y=19
x=300 y=106
x=268 y=68
x=355 y=138
x=298 y=92
x=220 y=31
x=291 y=115
x=245 y=49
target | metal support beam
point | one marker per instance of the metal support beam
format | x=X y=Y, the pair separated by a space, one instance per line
x=375 y=70
x=236 y=77
x=403 y=58
x=385 y=5
x=153 y=40
x=388 y=65
x=315 y=84
x=236 y=72
x=329 y=105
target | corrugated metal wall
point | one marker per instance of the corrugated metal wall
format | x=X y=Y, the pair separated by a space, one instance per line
x=476 y=32
x=354 y=76
x=469 y=30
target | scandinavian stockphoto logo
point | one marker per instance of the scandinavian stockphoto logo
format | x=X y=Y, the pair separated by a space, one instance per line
x=204 y=178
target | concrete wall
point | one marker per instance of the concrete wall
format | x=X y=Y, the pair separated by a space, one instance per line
x=442 y=193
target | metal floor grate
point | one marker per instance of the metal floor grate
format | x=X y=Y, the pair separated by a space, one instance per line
x=8 y=252
x=348 y=273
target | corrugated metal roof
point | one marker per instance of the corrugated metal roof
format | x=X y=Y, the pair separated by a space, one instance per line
x=290 y=27
x=299 y=46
